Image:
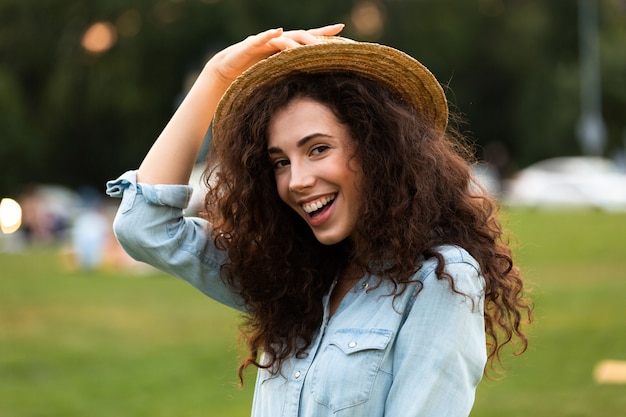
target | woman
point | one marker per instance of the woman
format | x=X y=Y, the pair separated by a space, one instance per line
x=341 y=217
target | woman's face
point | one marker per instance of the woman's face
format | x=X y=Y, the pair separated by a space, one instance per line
x=316 y=174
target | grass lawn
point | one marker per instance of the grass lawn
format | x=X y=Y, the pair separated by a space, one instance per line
x=75 y=344
x=576 y=264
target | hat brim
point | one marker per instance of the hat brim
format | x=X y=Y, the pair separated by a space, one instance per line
x=401 y=73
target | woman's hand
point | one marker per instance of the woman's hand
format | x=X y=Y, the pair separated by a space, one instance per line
x=232 y=61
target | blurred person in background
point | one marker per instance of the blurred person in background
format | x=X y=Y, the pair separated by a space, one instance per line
x=46 y=213
x=341 y=218
x=90 y=233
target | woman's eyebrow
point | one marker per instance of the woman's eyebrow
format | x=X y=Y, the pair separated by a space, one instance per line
x=300 y=143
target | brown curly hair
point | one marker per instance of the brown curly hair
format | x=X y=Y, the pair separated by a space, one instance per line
x=420 y=196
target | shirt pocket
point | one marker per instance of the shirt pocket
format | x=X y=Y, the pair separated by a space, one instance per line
x=345 y=371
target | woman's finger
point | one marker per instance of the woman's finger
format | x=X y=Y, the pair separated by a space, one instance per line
x=285 y=42
x=303 y=37
x=295 y=38
x=261 y=39
x=329 y=30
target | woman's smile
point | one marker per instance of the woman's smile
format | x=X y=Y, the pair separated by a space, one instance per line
x=313 y=207
x=319 y=210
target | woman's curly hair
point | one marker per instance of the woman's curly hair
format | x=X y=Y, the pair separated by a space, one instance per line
x=420 y=195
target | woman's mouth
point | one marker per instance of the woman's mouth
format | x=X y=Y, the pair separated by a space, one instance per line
x=316 y=207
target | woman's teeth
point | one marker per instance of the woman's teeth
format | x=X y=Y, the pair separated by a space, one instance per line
x=312 y=206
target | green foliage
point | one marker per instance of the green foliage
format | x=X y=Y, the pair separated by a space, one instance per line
x=112 y=343
x=80 y=118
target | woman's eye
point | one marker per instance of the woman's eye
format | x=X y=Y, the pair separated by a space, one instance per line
x=319 y=149
x=280 y=163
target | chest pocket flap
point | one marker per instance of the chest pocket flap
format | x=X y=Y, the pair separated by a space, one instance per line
x=356 y=340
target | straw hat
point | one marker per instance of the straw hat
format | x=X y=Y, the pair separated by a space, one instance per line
x=401 y=73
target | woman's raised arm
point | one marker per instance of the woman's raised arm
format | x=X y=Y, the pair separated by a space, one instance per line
x=171 y=158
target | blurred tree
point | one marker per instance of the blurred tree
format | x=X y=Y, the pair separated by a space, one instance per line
x=80 y=117
x=613 y=61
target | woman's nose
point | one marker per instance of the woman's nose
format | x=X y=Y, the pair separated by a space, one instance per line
x=300 y=178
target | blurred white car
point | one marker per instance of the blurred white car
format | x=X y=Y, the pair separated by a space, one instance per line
x=569 y=182
x=486 y=176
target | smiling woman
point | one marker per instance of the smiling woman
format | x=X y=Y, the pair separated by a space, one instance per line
x=341 y=218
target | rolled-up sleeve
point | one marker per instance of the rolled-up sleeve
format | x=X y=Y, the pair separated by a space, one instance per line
x=441 y=351
x=150 y=226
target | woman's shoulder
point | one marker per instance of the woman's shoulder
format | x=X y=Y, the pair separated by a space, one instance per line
x=459 y=265
x=451 y=254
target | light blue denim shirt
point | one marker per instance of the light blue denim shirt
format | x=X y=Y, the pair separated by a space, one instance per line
x=376 y=356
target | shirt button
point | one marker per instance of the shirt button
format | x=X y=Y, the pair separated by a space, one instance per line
x=297 y=374
x=352 y=344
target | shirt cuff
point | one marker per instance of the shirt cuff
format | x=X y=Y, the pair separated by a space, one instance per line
x=126 y=187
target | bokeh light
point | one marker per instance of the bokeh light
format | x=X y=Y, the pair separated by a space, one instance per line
x=10 y=215
x=368 y=19
x=99 y=37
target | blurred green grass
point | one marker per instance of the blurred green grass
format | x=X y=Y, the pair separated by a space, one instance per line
x=115 y=343
x=112 y=344
x=575 y=263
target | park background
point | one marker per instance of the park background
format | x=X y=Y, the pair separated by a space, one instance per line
x=77 y=117
x=86 y=86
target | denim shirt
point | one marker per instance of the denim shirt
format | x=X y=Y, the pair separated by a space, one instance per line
x=417 y=354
